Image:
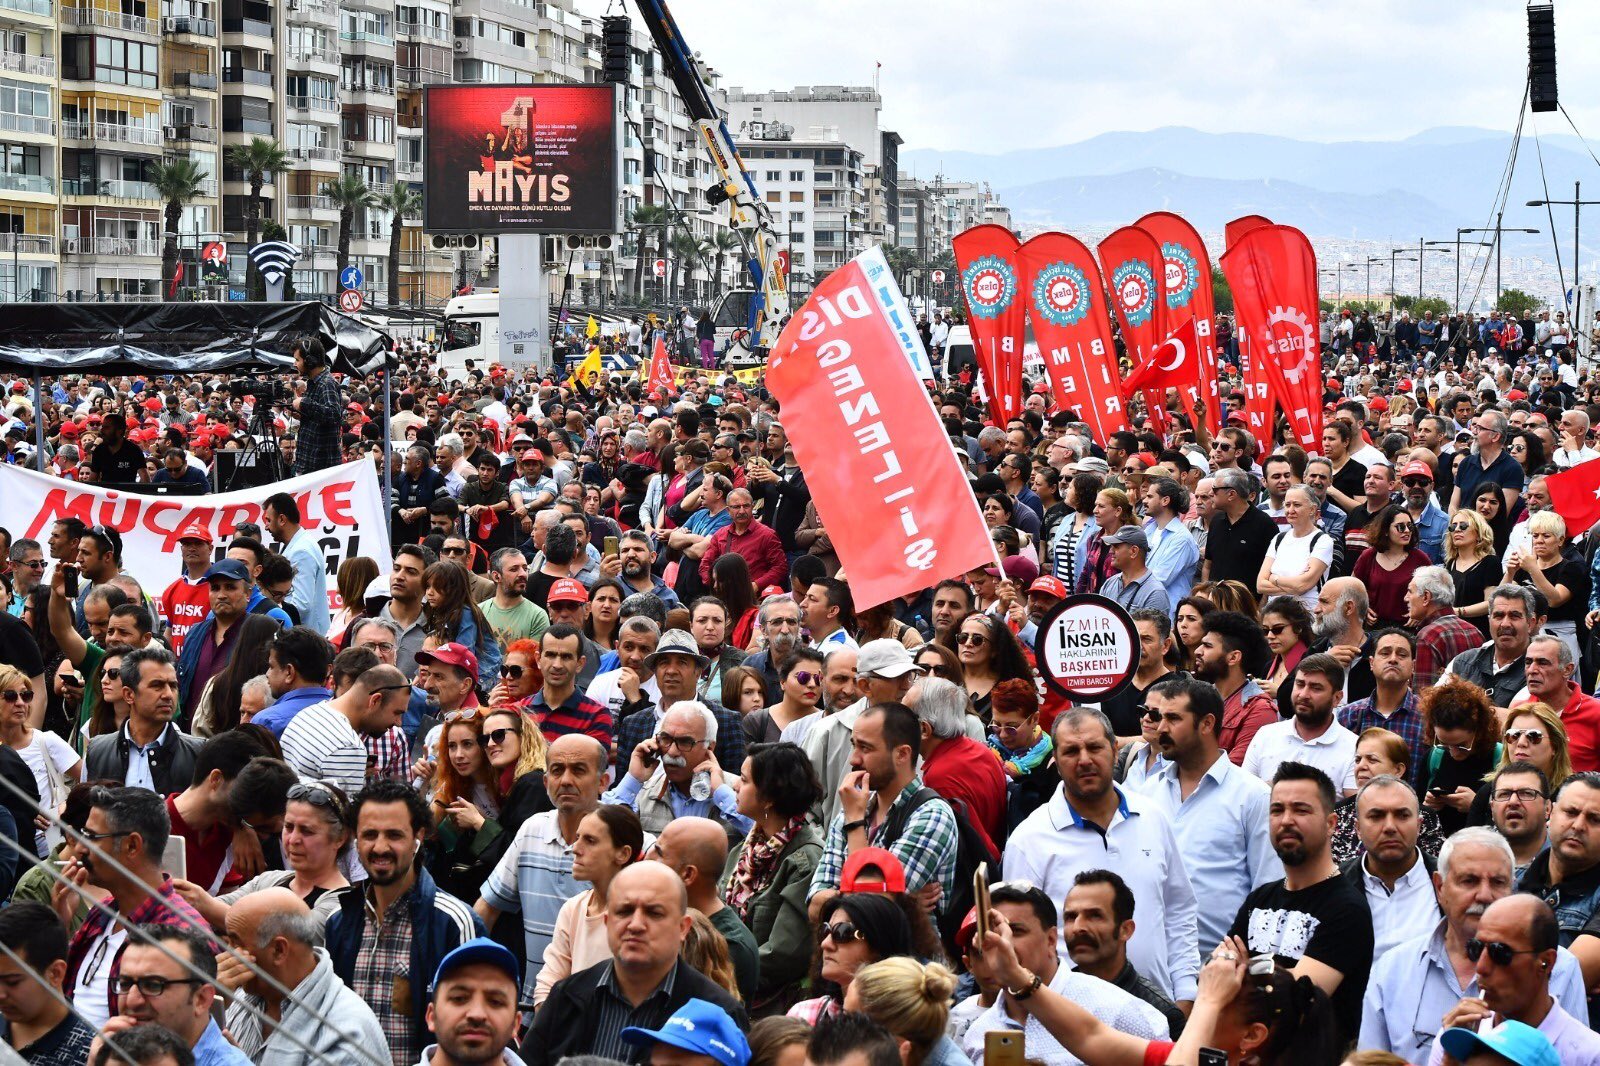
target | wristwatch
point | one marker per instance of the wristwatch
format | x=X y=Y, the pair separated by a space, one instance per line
x=1021 y=994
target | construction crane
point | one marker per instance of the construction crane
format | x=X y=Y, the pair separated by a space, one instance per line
x=748 y=214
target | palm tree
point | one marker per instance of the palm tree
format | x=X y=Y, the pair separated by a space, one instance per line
x=725 y=242
x=262 y=157
x=644 y=216
x=684 y=247
x=349 y=194
x=401 y=201
x=178 y=182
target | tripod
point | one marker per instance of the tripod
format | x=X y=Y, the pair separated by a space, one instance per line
x=261 y=456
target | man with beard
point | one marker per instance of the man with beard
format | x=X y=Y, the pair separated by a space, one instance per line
x=778 y=619
x=636 y=554
x=324 y=741
x=1096 y=924
x=1519 y=807
x=511 y=615
x=534 y=877
x=881 y=672
x=1498 y=666
x=1568 y=872
x=473 y=1010
x=637 y=637
x=1232 y=649
x=1391 y=872
x=1312 y=737
x=130 y=827
x=1416 y=984
x=1416 y=486
x=400 y=926
x=1312 y=921
x=1218 y=813
x=1090 y=823
x=1340 y=630
x=952 y=601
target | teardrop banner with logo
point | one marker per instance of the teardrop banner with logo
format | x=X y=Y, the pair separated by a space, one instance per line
x=990 y=281
x=1273 y=273
x=1136 y=279
x=1261 y=399
x=1189 y=295
x=1087 y=648
x=1066 y=304
x=1242 y=225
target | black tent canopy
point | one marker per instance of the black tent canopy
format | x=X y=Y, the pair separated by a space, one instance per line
x=181 y=338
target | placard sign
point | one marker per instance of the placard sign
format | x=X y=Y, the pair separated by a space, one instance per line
x=1087 y=648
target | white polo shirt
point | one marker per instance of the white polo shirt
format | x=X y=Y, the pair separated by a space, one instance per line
x=1333 y=752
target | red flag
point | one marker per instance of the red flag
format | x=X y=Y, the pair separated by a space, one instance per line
x=177 y=277
x=987 y=258
x=1273 y=273
x=660 y=369
x=1066 y=303
x=1575 y=496
x=1189 y=294
x=1242 y=225
x=1173 y=366
x=880 y=468
x=1136 y=280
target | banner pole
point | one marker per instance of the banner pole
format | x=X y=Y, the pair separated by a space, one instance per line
x=388 y=445
x=38 y=421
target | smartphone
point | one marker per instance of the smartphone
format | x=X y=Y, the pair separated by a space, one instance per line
x=1002 y=1047
x=611 y=545
x=980 y=896
x=1210 y=1056
x=69 y=579
x=175 y=858
x=1437 y=791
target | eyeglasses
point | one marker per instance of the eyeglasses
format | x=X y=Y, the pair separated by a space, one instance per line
x=92 y=837
x=17 y=695
x=151 y=986
x=496 y=737
x=1526 y=795
x=36 y=564
x=511 y=670
x=971 y=638
x=807 y=677
x=1500 y=954
x=1535 y=736
x=841 y=932
x=685 y=743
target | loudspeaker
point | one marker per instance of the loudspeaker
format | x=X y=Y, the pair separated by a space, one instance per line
x=1542 y=57
x=617 y=58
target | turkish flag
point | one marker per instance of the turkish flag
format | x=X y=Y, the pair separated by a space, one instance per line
x=660 y=369
x=1189 y=294
x=1174 y=365
x=1575 y=496
x=987 y=258
x=878 y=464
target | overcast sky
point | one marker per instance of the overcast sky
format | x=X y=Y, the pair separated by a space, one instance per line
x=995 y=75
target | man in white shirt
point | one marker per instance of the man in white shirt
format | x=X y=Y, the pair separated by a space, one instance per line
x=1391 y=872
x=323 y=742
x=629 y=682
x=1312 y=736
x=1574 y=447
x=309 y=593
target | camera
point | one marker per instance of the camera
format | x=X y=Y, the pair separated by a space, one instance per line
x=267 y=391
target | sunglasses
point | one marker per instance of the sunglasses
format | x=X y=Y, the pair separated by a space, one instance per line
x=841 y=932
x=36 y=564
x=452 y=551
x=1415 y=482
x=496 y=737
x=1500 y=954
x=667 y=740
x=1535 y=736
x=17 y=695
x=1273 y=631
x=1150 y=715
x=808 y=677
x=511 y=670
x=1460 y=527
x=318 y=795
x=971 y=638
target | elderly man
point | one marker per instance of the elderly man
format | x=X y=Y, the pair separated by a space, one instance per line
x=1498 y=666
x=956 y=766
x=677 y=666
x=641 y=985
x=1240 y=534
x=1416 y=984
x=696 y=849
x=1391 y=872
x=754 y=540
x=275 y=932
x=1574 y=447
x=778 y=620
x=1490 y=462
x=675 y=774
x=1550 y=670
x=1441 y=633
x=1340 y=629
x=637 y=637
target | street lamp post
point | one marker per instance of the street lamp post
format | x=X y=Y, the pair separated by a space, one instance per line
x=1443 y=246
x=1396 y=257
x=1497 y=229
x=1576 y=203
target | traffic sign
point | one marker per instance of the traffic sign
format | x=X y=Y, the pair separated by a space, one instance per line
x=350 y=299
x=938 y=277
x=351 y=277
x=661 y=268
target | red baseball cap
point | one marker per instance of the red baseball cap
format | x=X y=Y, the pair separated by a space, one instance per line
x=452 y=654
x=968 y=929
x=891 y=876
x=568 y=591
x=153 y=404
x=196 y=531
x=70 y=429
x=1417 y=468
x=1378 y=403
x=1051 y=586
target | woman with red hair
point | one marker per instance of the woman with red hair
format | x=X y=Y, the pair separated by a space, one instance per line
x=520 y=676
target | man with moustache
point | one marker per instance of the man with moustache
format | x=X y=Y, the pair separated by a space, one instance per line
x=1312 y=736
x=779 y=622
x=472 y=1011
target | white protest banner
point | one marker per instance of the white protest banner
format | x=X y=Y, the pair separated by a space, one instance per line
x=342 y=505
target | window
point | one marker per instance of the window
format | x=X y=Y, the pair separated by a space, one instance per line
x=797 y=175
x=773 y=196
x=774 y=175
x=797 y=197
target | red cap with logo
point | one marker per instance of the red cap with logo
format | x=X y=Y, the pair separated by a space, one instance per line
x=568 y=591
x=1050 y=586
x=452 y=654
x=196 y=531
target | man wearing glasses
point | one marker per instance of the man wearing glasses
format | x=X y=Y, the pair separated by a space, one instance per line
x=27 y=572
x=1240 y=534
x=675 y=774
x=152 y=986
x=1519 y=803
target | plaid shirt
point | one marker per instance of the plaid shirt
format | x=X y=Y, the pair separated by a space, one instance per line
x=383 y=973
x=1440 y=641
x=65 y=1045
x=317 y=445
x=164 y=907
x=927 y=848
x=1406 y=722
x=389 y=755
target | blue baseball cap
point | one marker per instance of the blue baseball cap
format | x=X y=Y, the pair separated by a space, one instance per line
x=701 y=1027
x=231 y=569
x=1514 y=1041
x=477 y=950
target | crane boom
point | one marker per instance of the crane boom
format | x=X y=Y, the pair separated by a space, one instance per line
x=747 y=211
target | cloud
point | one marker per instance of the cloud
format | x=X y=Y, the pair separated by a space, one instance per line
x=998 y=75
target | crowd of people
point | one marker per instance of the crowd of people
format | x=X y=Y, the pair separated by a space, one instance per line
x=604 y=761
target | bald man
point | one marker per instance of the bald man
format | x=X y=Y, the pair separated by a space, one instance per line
x=276 y=931
x=697 y=851
x=647 y=919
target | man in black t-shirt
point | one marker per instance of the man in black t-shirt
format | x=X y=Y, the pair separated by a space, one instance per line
x=20 y=650
x=1312 y=920
x=1240 y=533
x=116 y=460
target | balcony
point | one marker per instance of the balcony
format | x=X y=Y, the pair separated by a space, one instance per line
x=314 y=155
x=12 y=122
x=312 y=103
x=314 y=54
x=22 y=63
x=241 y=75
x=29 y=7
x=374 y=90
x=423 y=31
x=117 y=246
x=111 y=20
x=111 y=132
x=255 y=27
x=34 y=183
x=110 y=188
x=421 y=76
x=27 y=243
x=192 y=80
x=311 y=203
x=407 y=121
x=189 y=24
x=408 y=168
x=367 y=37
x=197 y=134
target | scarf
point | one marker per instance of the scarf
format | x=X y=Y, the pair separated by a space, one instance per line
x=756 y=865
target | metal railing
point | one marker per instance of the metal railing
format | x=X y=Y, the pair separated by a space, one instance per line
x=321 y=155
x=27 y=183
x=194 y=79
x=28 y=243
x=408 y=168
x=321 y=55
x=376 y=90
x=119 y=246
x=311 y=103
x=112 y=20
x=113 y=188
x=423 y=29
x=367 y=37
x=12 y=122
x=243 y=25
x=310 y=203
x=421 y=75
x=203 y=134
x=246 y=76
x=22 y=63
x=114 y=132
x=192 y=24
x=29 y=7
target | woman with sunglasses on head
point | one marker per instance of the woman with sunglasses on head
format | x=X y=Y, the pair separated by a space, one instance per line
x=1380 y=752
x=989 y=654
x=609 y=840
x=768 y=873
x=936 y=660
x=55 y=764
x=605 y=605
x=1562 y=581
x=1460 y=735
x=1386 y=566
x=858 y=928
x=1288 y=627
x=1534 y=734
x=1063 y=550
x=1469 y=556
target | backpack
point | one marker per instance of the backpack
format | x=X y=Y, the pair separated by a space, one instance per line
x=1310 y=551
x=971 y=853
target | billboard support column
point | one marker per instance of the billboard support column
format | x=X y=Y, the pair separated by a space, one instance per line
x=524 y=303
